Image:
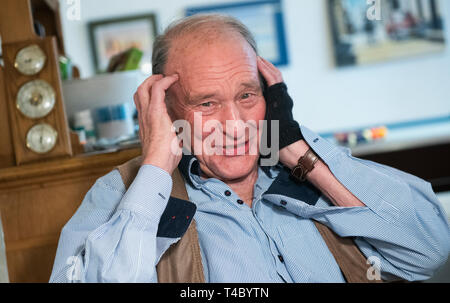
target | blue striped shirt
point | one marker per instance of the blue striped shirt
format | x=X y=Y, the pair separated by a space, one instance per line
x=113 y=236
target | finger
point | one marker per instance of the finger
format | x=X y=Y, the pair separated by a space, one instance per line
x=159 y=89
x=141 y=129
x=268 y=63
x=264 y=70
x=262 y=67
x=143 y=91
x=273 y=73
x=136 y=103
x=141 y=116
x=138 y=106
x=153 y=78
x=140 y=111
x=268 y=69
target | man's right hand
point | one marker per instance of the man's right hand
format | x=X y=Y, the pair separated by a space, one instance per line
x=155 y=126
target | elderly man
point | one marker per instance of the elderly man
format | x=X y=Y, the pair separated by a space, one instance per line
x=254 y=223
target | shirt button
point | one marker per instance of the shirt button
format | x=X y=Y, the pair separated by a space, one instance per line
x=240 y=201
x=281 y=258
x=227 y=193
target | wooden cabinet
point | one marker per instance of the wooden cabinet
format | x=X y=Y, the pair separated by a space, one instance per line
x=36 y=200
x=39 y=193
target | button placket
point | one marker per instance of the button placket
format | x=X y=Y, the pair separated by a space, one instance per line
x=233 y=198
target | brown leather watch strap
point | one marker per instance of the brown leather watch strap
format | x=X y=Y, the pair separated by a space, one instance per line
x=305 y=165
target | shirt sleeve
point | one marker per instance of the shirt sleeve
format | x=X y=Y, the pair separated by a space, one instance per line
x=112 y=236
x=403 y=224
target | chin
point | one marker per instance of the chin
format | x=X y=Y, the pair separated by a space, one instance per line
x=229 y=168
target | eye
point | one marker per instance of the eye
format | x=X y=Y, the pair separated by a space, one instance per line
x=246 y=96
x=206 y=104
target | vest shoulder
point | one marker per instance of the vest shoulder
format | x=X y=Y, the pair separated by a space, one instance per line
x=129 y=170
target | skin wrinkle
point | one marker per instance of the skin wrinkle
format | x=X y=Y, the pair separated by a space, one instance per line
x=225 y=69
x=197 y=67
x=220 y=76
x=182 y=46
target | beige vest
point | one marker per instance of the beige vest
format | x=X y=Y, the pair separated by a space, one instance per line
x=182 y=262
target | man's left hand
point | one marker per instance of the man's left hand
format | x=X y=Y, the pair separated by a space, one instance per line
x=279 y=106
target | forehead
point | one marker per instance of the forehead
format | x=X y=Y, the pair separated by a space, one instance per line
x=205 y=62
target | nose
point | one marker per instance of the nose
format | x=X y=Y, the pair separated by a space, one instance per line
x=232 y=123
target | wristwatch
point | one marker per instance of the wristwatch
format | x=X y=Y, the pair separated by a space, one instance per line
x=305 y=165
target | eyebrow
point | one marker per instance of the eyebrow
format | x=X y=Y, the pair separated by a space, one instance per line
x=251 y=85
x=198 y=97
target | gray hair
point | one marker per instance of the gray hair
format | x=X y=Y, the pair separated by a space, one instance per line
x=182 y=27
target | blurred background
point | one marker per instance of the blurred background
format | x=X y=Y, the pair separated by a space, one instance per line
x=370 y=75
x=411 y=86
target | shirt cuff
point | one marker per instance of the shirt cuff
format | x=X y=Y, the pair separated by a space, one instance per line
x=322 y=147
x=149 y=193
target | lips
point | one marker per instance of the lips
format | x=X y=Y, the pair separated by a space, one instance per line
x=236 y=149
x=236 y=145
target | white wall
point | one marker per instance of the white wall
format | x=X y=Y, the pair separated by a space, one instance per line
x=325 y=98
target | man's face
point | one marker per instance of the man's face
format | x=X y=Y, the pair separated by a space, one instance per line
x=219 y=80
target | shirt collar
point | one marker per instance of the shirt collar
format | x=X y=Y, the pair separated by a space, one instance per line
x=189 y=166
x=282 y=183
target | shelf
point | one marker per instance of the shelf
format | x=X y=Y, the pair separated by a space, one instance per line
x=63 y=169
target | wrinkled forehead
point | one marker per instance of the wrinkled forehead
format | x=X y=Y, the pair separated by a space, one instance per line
x=207 y=64
x=195 y=55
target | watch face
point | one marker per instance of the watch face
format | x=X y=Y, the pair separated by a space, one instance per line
x=30 y=60
x=41 y=138
x=36 y=99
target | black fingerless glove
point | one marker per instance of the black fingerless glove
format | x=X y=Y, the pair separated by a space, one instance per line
x=279 y=107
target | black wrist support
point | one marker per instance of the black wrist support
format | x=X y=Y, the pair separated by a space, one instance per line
x=279 y=107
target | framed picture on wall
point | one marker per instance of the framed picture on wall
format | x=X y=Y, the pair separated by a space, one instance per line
x=368 y=33
x=265 y=21
x=112 y=36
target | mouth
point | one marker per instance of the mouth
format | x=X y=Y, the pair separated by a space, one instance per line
x=238 y=149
